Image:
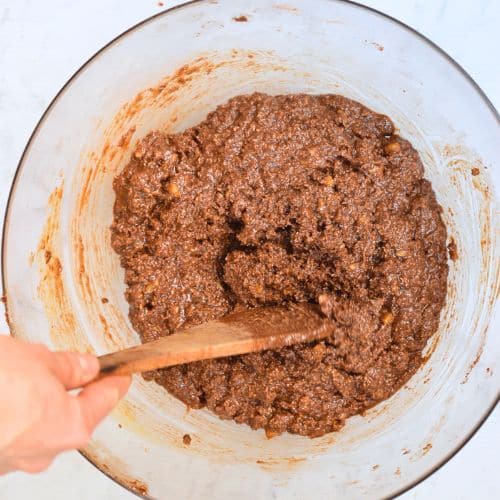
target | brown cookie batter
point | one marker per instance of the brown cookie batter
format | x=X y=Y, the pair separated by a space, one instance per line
x=273 y=200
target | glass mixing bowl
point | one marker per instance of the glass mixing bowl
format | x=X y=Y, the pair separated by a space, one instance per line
x=168 y=72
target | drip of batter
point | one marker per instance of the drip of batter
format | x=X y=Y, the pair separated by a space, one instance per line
x=273 y=200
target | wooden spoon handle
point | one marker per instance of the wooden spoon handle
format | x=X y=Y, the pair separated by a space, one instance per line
x=210 y=340
x=239 y=333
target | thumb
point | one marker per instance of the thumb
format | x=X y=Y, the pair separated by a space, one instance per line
x=97 y=399
x=73 y=369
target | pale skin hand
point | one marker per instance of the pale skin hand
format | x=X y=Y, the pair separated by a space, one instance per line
x=39 y=418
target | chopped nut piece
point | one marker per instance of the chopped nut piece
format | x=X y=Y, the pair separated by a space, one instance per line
x=328 y=181
x=387 y=318
x=139 y=152
x=392 y=148
x=363 y=219
x=401 y=253
x=173 y=189
x=319 y=350
x=257 y=289
x=376 y=169
x=270 y=434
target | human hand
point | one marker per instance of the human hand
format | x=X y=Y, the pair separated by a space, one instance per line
x=38 y=417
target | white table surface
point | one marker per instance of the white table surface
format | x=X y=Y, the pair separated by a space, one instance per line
x=42 y=43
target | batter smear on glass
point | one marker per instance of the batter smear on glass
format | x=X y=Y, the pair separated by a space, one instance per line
x=276 y=200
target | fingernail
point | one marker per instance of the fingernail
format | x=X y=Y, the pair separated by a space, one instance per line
x=88 y=364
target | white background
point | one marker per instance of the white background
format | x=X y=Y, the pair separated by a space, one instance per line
x=42 y=43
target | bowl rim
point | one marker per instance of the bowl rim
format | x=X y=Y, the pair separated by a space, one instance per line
x=164 y=13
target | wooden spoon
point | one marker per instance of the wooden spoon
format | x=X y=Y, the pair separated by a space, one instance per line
x=246 y=331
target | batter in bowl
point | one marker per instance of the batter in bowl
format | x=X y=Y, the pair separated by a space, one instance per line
x=279 y=199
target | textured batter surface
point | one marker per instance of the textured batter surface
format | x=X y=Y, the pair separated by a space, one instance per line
x=273 y=200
